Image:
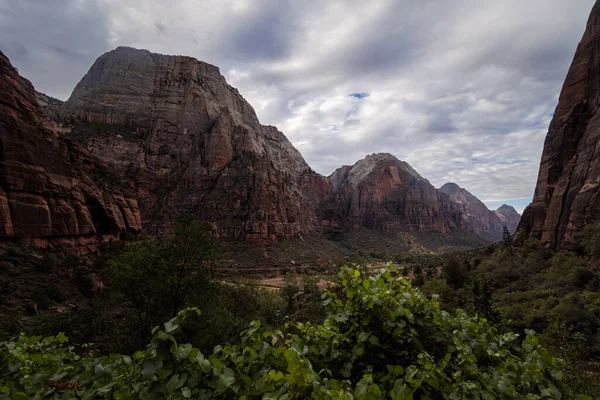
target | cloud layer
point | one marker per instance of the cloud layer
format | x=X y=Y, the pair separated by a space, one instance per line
x=463 y=90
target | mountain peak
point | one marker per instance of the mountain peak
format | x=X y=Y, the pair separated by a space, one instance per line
x=451 y=188
x=382 y=157
x=509 y=217
x=374 y=162
x=507 y=208
x=474 y=212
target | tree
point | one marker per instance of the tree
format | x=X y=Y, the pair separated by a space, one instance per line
x=157 y=276
x=290 y=293
x=590 y=239
x=455 y=272
x=483 y=303
x=507 y=239
x=381 y=339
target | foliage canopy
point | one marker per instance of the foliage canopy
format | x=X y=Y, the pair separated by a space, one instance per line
x=382 y=338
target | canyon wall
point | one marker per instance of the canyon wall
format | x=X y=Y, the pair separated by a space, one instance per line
x=49 y=187
x=567 y=194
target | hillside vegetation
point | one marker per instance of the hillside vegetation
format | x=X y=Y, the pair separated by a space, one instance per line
x=520 y=286
x=397 y=332
x=381 y=338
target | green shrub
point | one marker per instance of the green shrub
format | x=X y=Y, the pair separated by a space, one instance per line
x=157 y=277
x=48 y=262
x=381 y=339
x=456 y=273
x=590 y=239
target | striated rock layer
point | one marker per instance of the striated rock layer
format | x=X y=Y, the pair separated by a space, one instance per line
x=567 y=194
x=475 y=214
x=49 y=187
x=192 y=144
x=383 y=193
x=171 y=128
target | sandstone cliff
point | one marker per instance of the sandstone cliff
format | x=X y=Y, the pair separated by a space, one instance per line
x=172 y=128
x=475 y=214
x=567 y=194
x=509 y=217
x=381 y=192
x=191 y=144
x=50 y=189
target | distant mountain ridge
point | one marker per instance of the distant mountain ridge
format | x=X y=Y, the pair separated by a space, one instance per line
x=172 y=132
x=384 y=193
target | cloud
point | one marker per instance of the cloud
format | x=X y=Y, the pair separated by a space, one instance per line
x=463 y=90
x=53 y=43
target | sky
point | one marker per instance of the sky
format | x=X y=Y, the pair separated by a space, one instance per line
x=463 y=90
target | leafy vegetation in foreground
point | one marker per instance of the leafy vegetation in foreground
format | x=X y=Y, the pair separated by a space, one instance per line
x=528 y=287
x=382 y=338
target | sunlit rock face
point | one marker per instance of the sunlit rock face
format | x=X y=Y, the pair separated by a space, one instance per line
x=567 y=194
x=48 y=186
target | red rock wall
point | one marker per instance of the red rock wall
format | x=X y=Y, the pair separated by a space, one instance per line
x=567 y=194
x=198 y=146
x=45 y=191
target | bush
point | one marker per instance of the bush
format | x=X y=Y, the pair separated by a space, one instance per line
x=590 y=239
x=381 y=339
x=48 y=262
x=456 y=273
x=157 y=277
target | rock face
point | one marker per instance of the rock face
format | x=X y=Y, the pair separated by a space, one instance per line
x=487 y=224
x=192 y=144
x=567 y=194
x=381 y=192
x=509 y=217
x=180 y=140
x=48 y=186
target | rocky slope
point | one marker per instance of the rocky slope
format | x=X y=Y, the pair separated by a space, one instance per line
x=509 y=217
x=567 y=194
x=474 y=213
x=51 y=189
x=383 y=193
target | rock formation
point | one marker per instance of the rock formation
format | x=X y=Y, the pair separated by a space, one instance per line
x=381 y=192
x=509 y=217
x=475 y=214
x=567 y=194
x=49 y=187
x=191 y=144
x=177 y=139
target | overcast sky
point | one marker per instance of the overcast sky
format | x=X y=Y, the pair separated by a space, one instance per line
x=463 y=90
